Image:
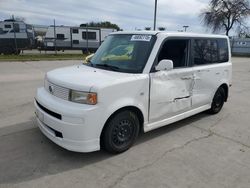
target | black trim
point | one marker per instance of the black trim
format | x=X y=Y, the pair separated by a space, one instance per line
x=57 y=133
x=54 y=114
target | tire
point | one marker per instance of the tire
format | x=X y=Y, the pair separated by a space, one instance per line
x=17 y=52
x=8 y=51
x=218 y=101
x=120 y=132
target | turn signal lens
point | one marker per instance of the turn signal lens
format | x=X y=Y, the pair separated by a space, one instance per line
x=92 y=98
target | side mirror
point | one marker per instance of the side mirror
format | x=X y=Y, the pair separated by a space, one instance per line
x=165 y=64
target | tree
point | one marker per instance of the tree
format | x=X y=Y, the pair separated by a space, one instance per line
x=19 y=18
x=225 y=14
x=161 y=28
x=105 y=24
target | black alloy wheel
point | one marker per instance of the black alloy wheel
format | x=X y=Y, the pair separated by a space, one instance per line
x=120 y=132
x=218 y=101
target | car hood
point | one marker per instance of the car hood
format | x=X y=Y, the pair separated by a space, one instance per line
x=85 y=78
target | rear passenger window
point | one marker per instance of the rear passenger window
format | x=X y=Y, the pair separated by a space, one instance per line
x=205 y=51
x=223 y=50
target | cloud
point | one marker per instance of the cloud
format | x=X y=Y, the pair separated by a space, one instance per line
x=128 y=14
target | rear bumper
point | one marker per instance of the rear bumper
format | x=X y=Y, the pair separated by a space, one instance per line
x=76 y=129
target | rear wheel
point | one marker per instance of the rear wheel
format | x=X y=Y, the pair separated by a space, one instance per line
x=218 y=101
x=120 y=132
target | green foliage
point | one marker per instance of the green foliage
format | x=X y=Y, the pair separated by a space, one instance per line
x=105 y=24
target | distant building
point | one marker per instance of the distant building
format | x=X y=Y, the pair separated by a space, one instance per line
x=240 y=46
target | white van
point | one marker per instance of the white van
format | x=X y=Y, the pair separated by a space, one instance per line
x=136 y=81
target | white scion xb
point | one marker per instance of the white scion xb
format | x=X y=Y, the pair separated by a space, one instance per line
x=136 y=81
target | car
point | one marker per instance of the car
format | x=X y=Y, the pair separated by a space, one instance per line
x=135 y=82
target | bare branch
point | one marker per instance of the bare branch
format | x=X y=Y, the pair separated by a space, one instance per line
x=225 y=14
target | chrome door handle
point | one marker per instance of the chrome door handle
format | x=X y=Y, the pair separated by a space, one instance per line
x=186 y=78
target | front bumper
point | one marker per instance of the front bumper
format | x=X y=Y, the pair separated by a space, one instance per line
x=70 y=125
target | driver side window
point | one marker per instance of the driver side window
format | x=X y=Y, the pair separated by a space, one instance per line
x=175 y=50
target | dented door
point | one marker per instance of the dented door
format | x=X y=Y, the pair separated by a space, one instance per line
x=170 y=93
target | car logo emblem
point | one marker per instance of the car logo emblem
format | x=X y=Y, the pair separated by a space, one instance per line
x=51 y=89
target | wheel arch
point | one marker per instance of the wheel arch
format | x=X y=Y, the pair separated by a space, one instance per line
x=226 y=88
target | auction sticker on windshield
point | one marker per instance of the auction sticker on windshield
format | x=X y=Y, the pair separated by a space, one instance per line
x=141 y=38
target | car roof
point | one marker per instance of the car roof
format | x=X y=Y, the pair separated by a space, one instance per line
x=171 y=34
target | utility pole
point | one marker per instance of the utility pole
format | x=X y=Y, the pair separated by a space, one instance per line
x=55 y=36
x=185 y=27
x=87 y=38
x=155 y=14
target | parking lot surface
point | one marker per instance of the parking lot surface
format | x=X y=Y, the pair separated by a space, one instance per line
x=201 y=151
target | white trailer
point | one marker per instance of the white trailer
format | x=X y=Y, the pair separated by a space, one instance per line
x=15 y=36
x=80 y=38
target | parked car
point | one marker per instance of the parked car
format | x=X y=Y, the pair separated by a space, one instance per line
x=136 y=81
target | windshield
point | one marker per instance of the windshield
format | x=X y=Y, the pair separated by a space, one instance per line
x=123 y=53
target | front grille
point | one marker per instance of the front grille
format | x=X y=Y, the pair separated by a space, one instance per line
x=54 y=114
x=58 y=91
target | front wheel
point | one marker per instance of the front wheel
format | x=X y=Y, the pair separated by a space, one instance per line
x=120 y=132
x=218 y=101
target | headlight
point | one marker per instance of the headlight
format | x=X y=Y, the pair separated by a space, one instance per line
x=83 y=97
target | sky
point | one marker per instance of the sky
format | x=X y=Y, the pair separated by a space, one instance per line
x=128 y=15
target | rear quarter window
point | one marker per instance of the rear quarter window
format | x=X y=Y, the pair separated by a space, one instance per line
x=208 y=51
x=223 y=50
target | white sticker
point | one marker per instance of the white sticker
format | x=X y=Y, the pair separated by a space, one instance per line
x=141 y=38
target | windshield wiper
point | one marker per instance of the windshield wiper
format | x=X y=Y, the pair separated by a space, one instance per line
x=110 y=67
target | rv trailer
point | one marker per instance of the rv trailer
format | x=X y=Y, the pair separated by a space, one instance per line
x=75 y=38
x=15 y=36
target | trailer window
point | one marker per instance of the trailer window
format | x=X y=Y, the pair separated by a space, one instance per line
x=2 y=31
x=7 y=26
x=89 y=35
x=205 y=51
x=75 y=31
x=75 y=41
x=60 y=36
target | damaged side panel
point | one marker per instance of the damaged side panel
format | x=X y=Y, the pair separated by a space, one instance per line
x=170 y=93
